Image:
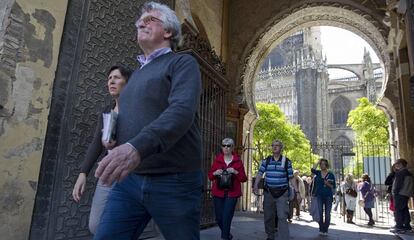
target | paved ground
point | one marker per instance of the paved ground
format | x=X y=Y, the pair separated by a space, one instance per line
x=249 y=226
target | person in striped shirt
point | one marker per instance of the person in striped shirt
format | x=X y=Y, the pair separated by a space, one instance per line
x=277 y=170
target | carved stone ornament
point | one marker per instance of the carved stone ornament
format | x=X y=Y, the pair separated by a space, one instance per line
x=192 y=40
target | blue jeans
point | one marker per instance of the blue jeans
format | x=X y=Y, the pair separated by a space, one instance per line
x=325 y=203
x=224 y=209
x=172 y=200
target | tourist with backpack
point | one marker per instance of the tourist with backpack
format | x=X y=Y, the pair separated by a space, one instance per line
x=277 y=170
x=402 y=190
x=226 y=173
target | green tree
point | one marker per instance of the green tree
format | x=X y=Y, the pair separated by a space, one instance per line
x=371 y=129
x=272 y=125
x=369 y=123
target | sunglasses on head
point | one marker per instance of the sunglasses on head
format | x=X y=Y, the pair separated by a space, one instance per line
x=226 y=145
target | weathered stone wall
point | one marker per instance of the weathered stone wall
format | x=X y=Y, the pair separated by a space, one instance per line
x=30 y=33
x=306 y=86
x=207 y=17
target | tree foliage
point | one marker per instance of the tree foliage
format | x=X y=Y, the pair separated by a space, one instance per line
x=272 y=125
x=369 y=123
x=371 y=129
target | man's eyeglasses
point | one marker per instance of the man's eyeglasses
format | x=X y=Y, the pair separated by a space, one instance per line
x=148 y=19
x=227 y=145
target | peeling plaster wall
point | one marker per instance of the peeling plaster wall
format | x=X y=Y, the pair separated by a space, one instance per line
x=30 y=33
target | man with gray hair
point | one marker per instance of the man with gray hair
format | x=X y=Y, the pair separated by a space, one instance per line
x=157 y=163
x=278 y=171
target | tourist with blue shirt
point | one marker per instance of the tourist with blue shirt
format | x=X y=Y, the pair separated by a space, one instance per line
x=156 y=165
x=277 y=171
x=325 y=186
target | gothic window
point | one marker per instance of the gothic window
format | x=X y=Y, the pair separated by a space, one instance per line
x=340 y=109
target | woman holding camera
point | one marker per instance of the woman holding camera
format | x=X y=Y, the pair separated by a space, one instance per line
x=227 y=174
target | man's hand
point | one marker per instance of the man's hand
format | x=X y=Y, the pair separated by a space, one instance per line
x=117 y=164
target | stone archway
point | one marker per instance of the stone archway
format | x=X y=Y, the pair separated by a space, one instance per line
x=284 y=25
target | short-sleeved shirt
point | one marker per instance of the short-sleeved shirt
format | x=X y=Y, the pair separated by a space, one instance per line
x=323 y=190
x=276 y=173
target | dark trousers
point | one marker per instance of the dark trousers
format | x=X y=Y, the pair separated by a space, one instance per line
x=325 y=206
x=402 y=214
x=368 y=211
x=172 y=200
x=224 y=209
x=294 y=204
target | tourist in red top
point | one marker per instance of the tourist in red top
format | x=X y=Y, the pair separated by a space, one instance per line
x=226 y=193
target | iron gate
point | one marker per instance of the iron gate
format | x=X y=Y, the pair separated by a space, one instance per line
x=358 y=158
x=212 y=110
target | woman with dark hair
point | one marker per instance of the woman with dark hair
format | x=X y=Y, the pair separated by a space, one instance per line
x=225 y=195
x=325 y=185
x=117 y=78
x=368 y=197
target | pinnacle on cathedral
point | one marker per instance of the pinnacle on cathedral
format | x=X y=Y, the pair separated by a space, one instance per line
x=295 y=77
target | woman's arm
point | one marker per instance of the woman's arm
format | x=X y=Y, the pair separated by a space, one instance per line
x=313 y=169
x=241 y=175
x=95 y=148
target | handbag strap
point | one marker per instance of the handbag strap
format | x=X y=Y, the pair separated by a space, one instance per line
x=369 y=191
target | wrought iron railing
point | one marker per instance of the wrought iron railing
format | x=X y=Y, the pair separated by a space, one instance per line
x=357 y=158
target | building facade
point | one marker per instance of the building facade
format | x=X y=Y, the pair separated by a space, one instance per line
x=53 y=55
x=295 y=77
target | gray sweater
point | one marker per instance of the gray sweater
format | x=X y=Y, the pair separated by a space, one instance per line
x=158 y=115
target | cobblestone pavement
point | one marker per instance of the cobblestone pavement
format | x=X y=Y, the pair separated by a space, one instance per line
x=249 y=226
